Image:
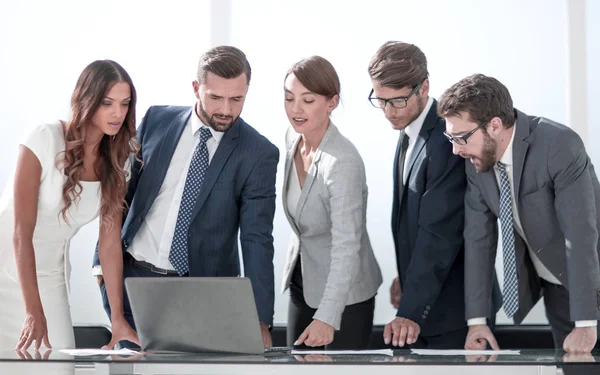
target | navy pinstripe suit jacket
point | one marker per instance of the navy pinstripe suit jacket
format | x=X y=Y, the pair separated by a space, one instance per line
x=238 y=193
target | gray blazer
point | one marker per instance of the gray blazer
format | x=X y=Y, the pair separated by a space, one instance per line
x=558 y=200
x=338 y=264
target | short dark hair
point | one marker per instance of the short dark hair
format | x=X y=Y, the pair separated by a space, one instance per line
x=224 y=61
x=398 y=65
x=482 y=97
x=317 y=75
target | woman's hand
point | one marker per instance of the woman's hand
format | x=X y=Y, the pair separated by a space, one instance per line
x=317 y=333
x=34 y=329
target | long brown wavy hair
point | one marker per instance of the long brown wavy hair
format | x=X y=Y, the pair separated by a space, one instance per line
x=93 y=85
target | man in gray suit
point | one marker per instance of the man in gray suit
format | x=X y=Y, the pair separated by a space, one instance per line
x=534 y=176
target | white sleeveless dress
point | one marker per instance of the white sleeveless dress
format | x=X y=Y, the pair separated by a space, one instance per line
x=50 y=241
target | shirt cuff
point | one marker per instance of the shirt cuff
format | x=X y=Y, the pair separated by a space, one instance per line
x=97 y=270
x=586 y=323
x=477 y=321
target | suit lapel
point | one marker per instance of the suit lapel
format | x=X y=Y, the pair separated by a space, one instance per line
x=289 y=169
x=520 y=147
x=396 y=201
x=156 y=172
x=313 y=170
x=490 y=187
x=224 y=150
x=428 y=124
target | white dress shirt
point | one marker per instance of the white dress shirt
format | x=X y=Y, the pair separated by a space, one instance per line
x=412 y=131
x=152 y=243
x=542 y=271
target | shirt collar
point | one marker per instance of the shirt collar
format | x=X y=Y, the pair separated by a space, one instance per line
x=197 y=124
x=414 y=128
x=507 y=157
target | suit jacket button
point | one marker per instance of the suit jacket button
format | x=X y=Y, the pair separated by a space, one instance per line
x=427 y=307
x=424 y=316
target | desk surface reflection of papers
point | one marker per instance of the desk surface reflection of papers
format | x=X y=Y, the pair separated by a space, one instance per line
x=345 y=352
x=464 y=352
x=91 y=352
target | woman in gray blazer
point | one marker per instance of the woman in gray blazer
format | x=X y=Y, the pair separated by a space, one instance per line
x=331 y=270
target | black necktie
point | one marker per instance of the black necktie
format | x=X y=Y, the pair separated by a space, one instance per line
x=401 y=158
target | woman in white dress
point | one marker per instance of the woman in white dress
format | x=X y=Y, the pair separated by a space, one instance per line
x=67 y=174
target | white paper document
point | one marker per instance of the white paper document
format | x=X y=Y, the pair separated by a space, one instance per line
x=353 y=352
x=464 y=352
x=90 y=352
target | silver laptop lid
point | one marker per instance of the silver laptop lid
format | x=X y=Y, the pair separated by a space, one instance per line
x=195 y=314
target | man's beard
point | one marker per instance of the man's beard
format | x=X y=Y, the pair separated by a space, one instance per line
x=488 y=154
x=220 y=127
x=421 y=101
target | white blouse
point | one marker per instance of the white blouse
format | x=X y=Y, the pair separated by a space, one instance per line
x=294 y=191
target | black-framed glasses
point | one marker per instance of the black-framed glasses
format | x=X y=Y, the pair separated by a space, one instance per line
x=461 y=140
x=397 y=102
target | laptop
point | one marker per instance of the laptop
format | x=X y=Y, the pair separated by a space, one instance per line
x=196 y=315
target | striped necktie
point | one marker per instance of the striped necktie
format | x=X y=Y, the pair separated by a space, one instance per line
x=510 y=291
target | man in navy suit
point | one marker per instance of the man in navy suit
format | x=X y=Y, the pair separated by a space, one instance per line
x=203 y=174
x=427 y=211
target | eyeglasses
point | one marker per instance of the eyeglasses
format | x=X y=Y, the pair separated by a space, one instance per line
x=461 y=140
x=397 y=102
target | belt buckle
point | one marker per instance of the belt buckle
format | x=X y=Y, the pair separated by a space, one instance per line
x=159 y=270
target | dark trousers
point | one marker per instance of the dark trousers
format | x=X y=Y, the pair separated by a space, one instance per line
x=356 y=326
x=130 y=269
x=556 y=303
x=447 y=340
x=455 y=339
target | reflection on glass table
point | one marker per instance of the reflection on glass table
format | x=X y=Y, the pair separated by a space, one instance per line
x=529 y=362
x=526 y=357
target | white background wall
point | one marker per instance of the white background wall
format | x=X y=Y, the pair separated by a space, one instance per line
x=593 y=70
x=45 y=45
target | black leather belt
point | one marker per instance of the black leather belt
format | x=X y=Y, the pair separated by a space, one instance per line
x=151 y=267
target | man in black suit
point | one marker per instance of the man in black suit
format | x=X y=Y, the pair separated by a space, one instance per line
x=428 y=209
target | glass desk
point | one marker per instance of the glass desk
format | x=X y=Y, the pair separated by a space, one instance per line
x=538 y=362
